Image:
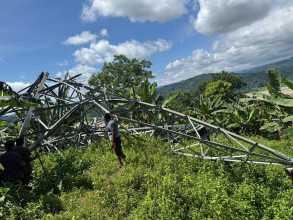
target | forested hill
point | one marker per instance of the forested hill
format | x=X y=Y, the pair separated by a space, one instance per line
x=254 y=77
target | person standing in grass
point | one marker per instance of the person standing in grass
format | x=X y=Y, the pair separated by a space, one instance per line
x=25 y=155
x=13 y=164
x=114 y=135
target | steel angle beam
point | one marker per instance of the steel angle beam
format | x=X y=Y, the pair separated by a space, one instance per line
x=227 y=144
x=73 y=113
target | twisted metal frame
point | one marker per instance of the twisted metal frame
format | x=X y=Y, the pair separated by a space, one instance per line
x=72 y=114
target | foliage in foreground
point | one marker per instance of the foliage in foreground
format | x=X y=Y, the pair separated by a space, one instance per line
x=153 y=184
x=267 y=115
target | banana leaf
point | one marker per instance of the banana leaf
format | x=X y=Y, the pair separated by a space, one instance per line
x=217 y=102
x=284 y=102
x=288 y=134
x=19 y=101
x=271 y=127
x=154 y=87
x=204 y=108
x=275 y=79
x=233 y=125
x=288 y=83
x=264 y=97
x=145 y=92
x=274 y=92
x=3 y=123
x=227 y=111
x=287 y=119
x=10 y=98
x=289 y=130
x=251 y=114
x=237 y=117
x=170 y=99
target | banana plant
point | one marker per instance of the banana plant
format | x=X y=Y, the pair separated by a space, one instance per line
x=278 y=106
x=241 y=118
x=148 y=94
x=10 y=98
x=207 y=109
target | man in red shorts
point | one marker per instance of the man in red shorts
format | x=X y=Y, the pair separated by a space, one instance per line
x=114 y=135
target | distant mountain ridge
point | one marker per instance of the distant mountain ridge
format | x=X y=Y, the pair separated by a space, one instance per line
x=255 y=77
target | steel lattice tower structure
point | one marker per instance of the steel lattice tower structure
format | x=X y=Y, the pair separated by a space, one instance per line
x=72 y=114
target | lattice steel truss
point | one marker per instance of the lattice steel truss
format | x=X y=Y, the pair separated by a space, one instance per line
x=72 y=114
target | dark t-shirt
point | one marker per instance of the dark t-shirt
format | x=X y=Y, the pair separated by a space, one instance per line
x=25 y=155
x=11 y=162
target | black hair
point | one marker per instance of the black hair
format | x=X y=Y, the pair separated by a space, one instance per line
x=9 y=145
x=19 y=141
x=107 y=116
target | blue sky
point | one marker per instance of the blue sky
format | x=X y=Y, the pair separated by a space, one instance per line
x=182 y=38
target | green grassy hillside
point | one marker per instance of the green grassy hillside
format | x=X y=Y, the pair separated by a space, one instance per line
x=254 y=77
x=153 y=184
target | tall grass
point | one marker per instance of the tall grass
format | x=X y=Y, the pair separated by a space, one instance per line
x=85 y=183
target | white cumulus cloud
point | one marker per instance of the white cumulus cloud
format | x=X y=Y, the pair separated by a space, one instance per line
x=104 y=32
x=17 y=86
x=264 y=41
x=85 y=70
x=83 y=38
x=102 y=51
x=219 y=16
x=135 y=10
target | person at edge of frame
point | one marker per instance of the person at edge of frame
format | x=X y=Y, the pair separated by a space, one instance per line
x=25 y=155
x=13 y=164
x=114 y=136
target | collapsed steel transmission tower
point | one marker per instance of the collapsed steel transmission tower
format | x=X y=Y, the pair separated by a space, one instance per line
x=72 y=114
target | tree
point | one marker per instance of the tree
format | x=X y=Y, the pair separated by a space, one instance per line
x=219 y=88
x=122 y=74
x=200 y=88
x=236 y=81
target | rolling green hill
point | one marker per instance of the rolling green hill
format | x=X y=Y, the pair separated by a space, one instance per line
x=255 y=77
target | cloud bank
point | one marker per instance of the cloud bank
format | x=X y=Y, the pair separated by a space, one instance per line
x=88 y=58
x=265 y=40
x=135 y=10
x=219 y=16
x=102 y=51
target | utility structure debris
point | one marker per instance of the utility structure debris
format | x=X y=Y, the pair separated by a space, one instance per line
x=71 y=114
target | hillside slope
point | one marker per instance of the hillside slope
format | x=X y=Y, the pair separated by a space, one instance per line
x=153 y=184
x=255 y=77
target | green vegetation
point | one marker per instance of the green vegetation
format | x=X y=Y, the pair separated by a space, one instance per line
x=153 y=184
x=85 y=183
x=220 y=103
x=122 y=74
x=254 y=77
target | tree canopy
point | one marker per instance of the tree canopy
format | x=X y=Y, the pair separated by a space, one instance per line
x=122 y=74
x=235 y=81
x=219 y=88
